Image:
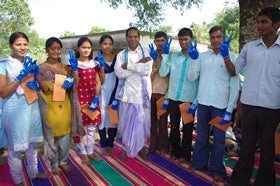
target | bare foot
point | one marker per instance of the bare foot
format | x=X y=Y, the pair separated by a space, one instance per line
x=104 y=151
x=56 y=170
x=65 y=168
x=85 y=159
x=42 y=175
x=110 y=151
x=20 y=184
x=94 y=157
x=123 y=156
x=144 y=156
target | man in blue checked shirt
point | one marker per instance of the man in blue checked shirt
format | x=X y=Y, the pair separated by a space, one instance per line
x=180 y=90
x=217 y=96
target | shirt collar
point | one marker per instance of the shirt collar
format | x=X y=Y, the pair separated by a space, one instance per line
x=260 y=41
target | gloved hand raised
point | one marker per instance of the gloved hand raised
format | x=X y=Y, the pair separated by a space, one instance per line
x=33 y=85
x=226 y=118
x=73 y=61
x=166 y=46
x=100 y=59
x=165 y=103
x=192 y=50
x=192 y=109
x=94 y=103
x=153 y=52
x=35 y=69
x=115 y=104
x=224 y=47
x=27 y=68
x=68 y=83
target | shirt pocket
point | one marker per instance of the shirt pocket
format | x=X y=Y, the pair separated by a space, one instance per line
x=222 y=73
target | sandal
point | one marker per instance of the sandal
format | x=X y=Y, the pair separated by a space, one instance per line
x=42 y=175
x=56 y=170
x=65 y=168
x=85 y=159
x=94 y=157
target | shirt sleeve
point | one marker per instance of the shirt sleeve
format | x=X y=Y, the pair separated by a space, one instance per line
x=143 y=69
x=194 y=69
x=241 y=60
x=120 y=72
x=164 y=69
x=234 y=89
x=3 y=69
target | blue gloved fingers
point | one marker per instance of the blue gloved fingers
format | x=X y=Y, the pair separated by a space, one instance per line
x=192 y=109
x=100 y=59
x=94 y=103
x=115 y=104
x=165 y=104
x=192 y=50
x=68 y=83
x=151 y=47
x=33 y=85
x=226 y=118
x=71 y=54
x=99 y=53
x=27 y=61
x=73 y=60
x=35 y=68
x=169 y=42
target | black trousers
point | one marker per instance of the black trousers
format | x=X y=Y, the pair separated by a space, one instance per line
x=263 y=121
x=107 y=141
x=179 y=149
x=159 y=133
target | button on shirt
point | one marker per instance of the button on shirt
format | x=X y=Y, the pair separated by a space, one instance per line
x=262 y=77
x=216 y=87
x=180 y=87
x=132 y=88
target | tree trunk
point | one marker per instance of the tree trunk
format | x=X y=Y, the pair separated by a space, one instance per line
x=249 y=10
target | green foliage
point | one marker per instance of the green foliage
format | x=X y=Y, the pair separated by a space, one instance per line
x=229 y=20
x=201 y=32
x=36 y=46
x=67 y=34
x=96 y=29
x=148 y=14
x=15 y=16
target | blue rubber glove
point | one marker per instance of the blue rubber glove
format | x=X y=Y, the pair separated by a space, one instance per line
x=100 y=59
x=153 y=52
x=166 y=46
x=165 y=103
x=192 y=50
x=224 y=47
x=33 y=85
x=35 y=69
x=115 y=104
x=73 y=61
x=192 y=109
x=27 y=68
x=68 y=83
x=94 y=103
x=226 y=118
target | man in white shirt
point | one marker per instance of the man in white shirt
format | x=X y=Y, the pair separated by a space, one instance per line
x=134 y=92
x=260 y=100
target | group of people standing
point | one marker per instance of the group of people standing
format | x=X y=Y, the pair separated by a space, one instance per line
x=132 y=82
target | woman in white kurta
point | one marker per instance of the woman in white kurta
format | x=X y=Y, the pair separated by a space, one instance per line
x=108 y=90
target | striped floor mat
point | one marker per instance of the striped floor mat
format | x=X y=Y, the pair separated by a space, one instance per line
x=111 y=171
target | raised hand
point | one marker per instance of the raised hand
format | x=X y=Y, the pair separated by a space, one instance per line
x=166 y=46
x=100 y=59
x=33 y=85
x=165 y=103
x=224 y=47
x=226 y=118
x=68 y=83
x=35 y=68
x=73 y=61
x=115 y=104
x=192 y=109
x=27 y=68
x=153 y=52
x=94 y=103
x=192 y=50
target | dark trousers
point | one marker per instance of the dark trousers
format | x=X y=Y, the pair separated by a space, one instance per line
x=262 y=121
x=179 y=149
x=159 y=133
x=107 y=141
